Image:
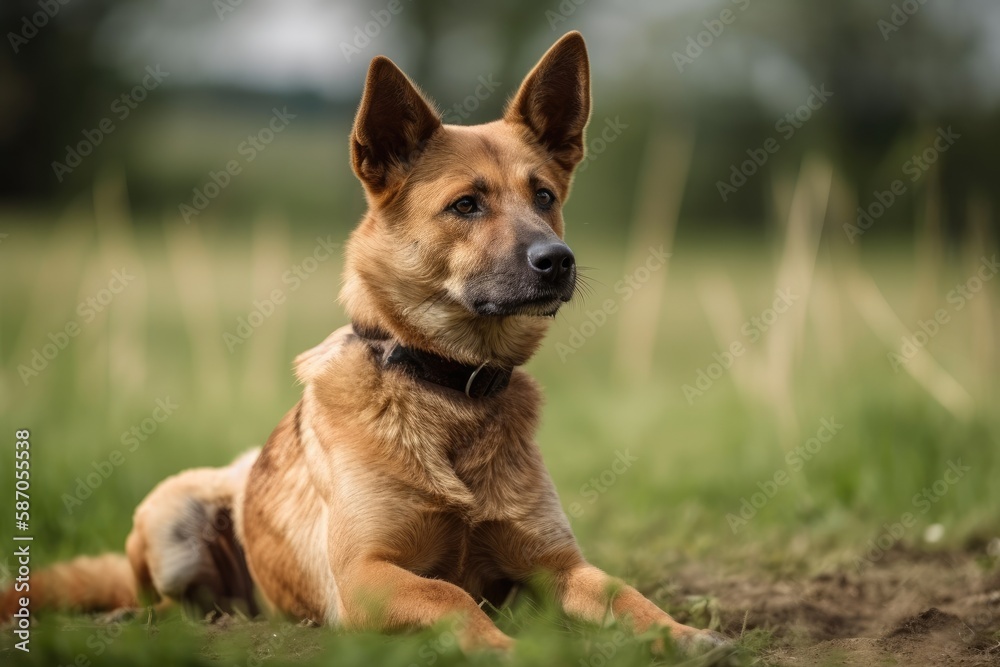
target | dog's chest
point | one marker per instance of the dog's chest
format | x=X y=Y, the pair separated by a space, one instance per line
x=473 y=462
x=453 y=549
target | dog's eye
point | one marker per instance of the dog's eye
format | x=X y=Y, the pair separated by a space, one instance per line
x=544 y=198
x=465 y=206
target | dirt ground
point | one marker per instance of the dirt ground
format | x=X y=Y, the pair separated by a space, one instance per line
x=909 y=608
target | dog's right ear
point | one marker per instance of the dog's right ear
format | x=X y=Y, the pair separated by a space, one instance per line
x=393 y=123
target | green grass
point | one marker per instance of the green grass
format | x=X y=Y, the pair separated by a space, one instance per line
x=694 y=464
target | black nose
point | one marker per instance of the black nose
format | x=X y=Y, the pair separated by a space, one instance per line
x=552 y=260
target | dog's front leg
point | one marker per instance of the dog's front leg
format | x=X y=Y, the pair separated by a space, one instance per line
x=378 y=595
x=590 y=594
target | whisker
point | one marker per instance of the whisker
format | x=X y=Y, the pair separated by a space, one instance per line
x=587 y=278
x=586 y=284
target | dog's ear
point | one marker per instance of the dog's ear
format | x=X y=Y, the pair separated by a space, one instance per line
x=554 y=100
x=393 y=123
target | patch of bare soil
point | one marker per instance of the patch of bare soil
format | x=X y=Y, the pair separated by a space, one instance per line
x=909 y=608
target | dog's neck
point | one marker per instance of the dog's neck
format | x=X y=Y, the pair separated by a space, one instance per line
x=482 y=381
x=503 y=342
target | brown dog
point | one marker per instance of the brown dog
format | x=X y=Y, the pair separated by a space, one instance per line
x=406 y=486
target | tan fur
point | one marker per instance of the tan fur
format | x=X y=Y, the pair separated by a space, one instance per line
x=184 y=544
x=181 y=549
x=420 y=503
x=382 y=501
x=86 y=583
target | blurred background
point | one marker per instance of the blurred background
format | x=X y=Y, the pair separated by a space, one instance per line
x=226 y=64
x=821 y=178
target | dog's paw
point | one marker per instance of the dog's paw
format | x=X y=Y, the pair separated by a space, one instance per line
x=701 y=641
x=491 y=641
x=692 y=642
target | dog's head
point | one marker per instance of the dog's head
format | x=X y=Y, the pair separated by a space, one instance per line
x=461 y=251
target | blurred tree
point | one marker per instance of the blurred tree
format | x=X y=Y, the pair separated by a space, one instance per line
x=515 y=24
x=894 y=75
x=51 y=88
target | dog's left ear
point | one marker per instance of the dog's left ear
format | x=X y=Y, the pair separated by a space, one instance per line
x=554 y=100
x=393 y=123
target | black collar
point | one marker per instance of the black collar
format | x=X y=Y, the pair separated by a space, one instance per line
x=480 y=381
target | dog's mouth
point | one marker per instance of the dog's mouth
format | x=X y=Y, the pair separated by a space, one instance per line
x=518 y=294
x=541 y=306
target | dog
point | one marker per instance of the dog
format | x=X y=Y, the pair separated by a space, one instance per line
x=406 y=487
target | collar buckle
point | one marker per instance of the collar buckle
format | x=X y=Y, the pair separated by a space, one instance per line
x=472 y=378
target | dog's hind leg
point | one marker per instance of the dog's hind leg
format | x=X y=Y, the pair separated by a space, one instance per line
x=184 y=545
